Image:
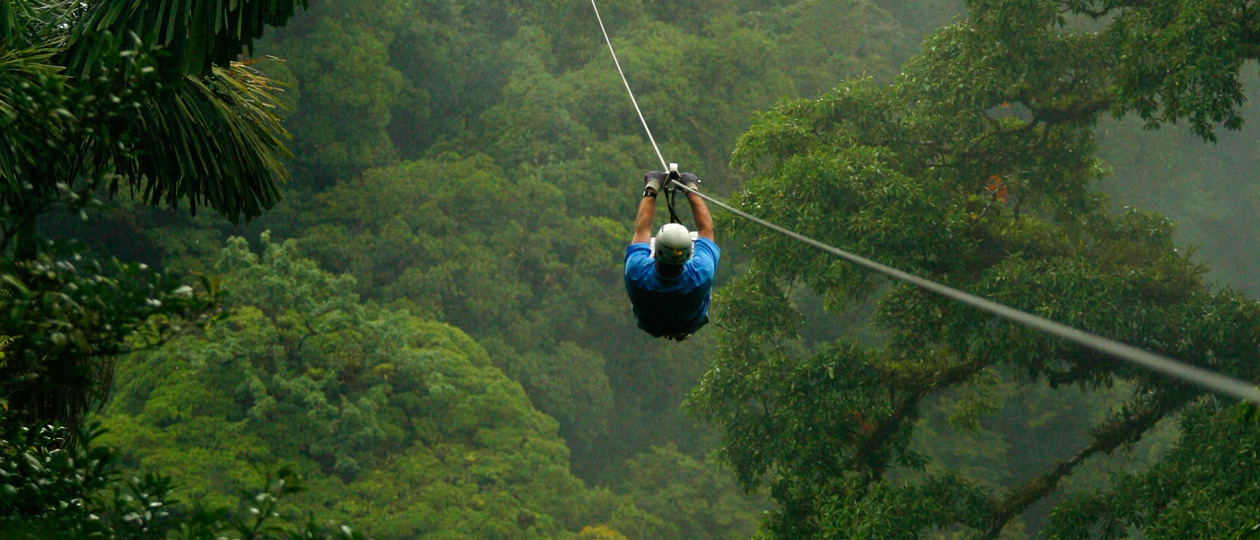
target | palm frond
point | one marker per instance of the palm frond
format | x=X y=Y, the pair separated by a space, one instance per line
x=29 y=92
x=14 y=17
x=20 y=67
x=26 y=23
x=197 y=34
x=214 y=141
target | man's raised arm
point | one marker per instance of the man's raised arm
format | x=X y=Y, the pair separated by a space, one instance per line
x=643 y=221
x=699 y=210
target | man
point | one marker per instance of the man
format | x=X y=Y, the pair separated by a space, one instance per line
x=669 y=289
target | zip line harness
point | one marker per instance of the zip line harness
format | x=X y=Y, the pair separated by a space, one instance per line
x=1158 y=363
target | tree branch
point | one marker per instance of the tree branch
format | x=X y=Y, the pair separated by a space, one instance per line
x=1055 y=115
x=970 y=150
x=1108 y=436
x=867 y=453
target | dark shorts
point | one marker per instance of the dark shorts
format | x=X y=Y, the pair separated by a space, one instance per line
x=677 y=334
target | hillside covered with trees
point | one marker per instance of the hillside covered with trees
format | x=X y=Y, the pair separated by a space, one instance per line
x=354 y=269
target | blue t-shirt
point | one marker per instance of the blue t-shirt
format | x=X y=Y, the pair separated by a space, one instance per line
x=666 y=306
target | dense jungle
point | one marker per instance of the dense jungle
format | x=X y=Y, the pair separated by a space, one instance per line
x=354 y=269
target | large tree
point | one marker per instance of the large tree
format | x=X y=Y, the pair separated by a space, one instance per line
x=974 y=168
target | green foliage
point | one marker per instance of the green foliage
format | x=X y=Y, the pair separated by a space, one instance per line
x=1179 y=59
x=231 y=161
x=1205 y=189
x=696 y=111
x=398 y=423
x=446 y=238
x=109 y=116
x=695 y=498
x=901 y=173
x=530 y=82
x=570 y=385
x=821 y=41
x=49 y=119
x=88 y=104
x=476 y=162
x=197 y=36
x=346 y=90
x=1205 y=488
x=1001 y=442
x=107 y=122
x=508 y=217
x=69 y=313
x=446 y=233
x=600 y=532
x=59 y=484
x=518 y=134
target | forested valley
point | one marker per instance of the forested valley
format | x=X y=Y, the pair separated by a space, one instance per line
x=354 y=269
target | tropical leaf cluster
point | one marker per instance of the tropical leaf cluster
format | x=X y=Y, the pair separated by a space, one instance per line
x=58 y=483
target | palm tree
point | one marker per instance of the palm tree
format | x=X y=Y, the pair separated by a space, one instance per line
x=147 y=90
x=102 y=95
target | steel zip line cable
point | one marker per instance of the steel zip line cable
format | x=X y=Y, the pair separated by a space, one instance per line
x=1155 y=362
x=1176 y=369
x=607 y=40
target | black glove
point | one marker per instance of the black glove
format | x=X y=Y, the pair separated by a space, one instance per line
x=690 y=180
x=653 y=180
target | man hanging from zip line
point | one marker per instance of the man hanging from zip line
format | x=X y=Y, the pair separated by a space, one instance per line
x=669 y=281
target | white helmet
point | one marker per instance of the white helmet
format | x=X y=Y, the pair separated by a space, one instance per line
x=673 y=244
